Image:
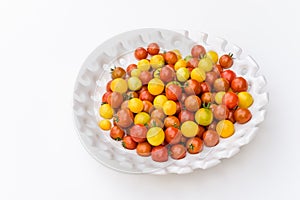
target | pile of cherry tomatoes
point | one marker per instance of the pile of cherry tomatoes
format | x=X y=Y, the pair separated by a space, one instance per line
x=166 y=105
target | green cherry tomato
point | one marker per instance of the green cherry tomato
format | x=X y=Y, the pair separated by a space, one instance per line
x=204 y=116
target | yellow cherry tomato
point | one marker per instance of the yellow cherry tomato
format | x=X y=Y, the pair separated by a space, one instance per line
x=143 y=65
x=156 y=86
x=204 y=116
x=189 y=129
x=180 y=64
x=178 y=54
x=198 y=74
x=134 y=83
x=159 y=101
x=105 y=124
x=141 y=118
x=119 y=85
x=213 y=56
x=169 y=107
x=135 y=72
x=106 y=111
x=157 y=61
x=219 y=97
x=245 y=99
x=155 y=136
x=206 y=64
x=135 y=105
x=225 y=128
x=182 y=74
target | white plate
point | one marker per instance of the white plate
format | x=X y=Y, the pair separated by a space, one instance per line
x=95 y=72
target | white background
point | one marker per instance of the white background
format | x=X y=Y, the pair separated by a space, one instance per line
x=42 y=46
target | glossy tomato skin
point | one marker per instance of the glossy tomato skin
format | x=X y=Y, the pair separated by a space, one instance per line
x=239 y=84
x=140 y=53
x=207 y=97
x=201 y=130
x=210 y=138
x=198 y=51
x=173 y=135
x=231 y=116
x=212 y=126
x=130 y=68
x=178 y=151
x=167 y=74
x=221 y=112
x=105 y=96
x=144 y=88
x=148 y=107
x=145 y=77
x=153 y=49
x=158 y=113
x=138 y=133
x=129 y=143
x=173 y=92
x=123 y=118
x=194 y=145
x=230 y=99
x=218 y=69
x=211 y=77
x=159 y=153
x=116 y=133
x=226 y=61
x=146 y=96
x=229 y=75
x=171 y=121
x=193 y=63
x=242 y=115
x=186 y=115
x=192 y=87
x=171 y=57
x=143 y=149
x=118 y=72
x=205 y=87
x=108 y=89
x=221 y=84
x=115 y=99
x=192 y=103
x=155 y=122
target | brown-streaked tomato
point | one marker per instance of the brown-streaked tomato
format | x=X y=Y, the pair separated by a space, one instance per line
x=173 y=92
x=192 y=87
x=138 y=132
x=221 y=84
x=159 y=153
x=210 y=138
x=221 y=112
x=192 y=103
x=198 y=51
x=173 y=135
x=186 y=115
x=177 y=151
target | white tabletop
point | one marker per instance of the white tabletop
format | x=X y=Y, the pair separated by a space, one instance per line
x=42 y=46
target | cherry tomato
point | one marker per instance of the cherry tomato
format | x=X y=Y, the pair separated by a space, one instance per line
x=229 y=75
x=158 y=113
x=118 y=72
x=138 y=133
x=207 y=97
x=167 y=74
x=211 y=77
x=173 y=92
x=218 y=69
x=210 y=138
x=115 y=99
x=159 y=154
x=117 y=133
x=178 y=151
x=205 y=87
x=178 y=107
x=148 y=107
x=171 y=121
x=155 y=122
x=192 y=87
x=130 y=68
x=144 y=88
x=201 y=130
x=245 y=100
x=186 y=115
x=192 y=103
x=194 y=145
x=145 y=77
x=183 y=97
x=226 y=61
x=123 y=118
x=189 y=129
x=230 y=99
x=242 y=115
x=212 y=126
x=231 y=116
x=143 y=149
x=204 y=116
x=171 y=57
x=153 y=49
x=198 y=51
x=173 y=135
x=221 y=112
x=146 y=96
x=193 y=63
x=140 y=53
x=225 y=128
x=239 y=84
x=221 y=84
x=131 y=94
x=105 y=96
x=124 y=104
x=129 y=143
x=108 y=89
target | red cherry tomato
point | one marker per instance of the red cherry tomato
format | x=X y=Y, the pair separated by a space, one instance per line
x=242 y=115
x=143 y=149
x=130 y=68
x=173 y=135
x=105 y=96
x=230 y=99
x=116 y=133
x=194 y=145
x=173 y=92
x=108 y=89
x=159 y=153
x=226 y=61
x=192 y=87
x=205 y=87
x=146 y=96
x=153 y=49
x=201 y=130
x=171 y=57
x=140 y=53
x=229 y=75
x=239 y=84
x=129 y=143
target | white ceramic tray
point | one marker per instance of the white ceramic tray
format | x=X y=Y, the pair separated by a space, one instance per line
x=95 y=73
